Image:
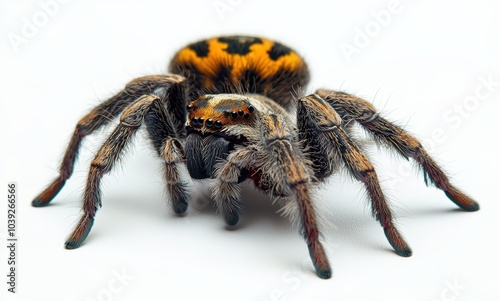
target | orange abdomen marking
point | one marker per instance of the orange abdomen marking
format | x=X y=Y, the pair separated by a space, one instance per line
x=242 y=64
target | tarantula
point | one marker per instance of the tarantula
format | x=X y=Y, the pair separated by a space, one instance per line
x=227 y=111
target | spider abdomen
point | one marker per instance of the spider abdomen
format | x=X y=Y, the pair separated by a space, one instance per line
x=242 y=64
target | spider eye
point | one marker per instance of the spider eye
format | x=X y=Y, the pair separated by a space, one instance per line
x=195 y=122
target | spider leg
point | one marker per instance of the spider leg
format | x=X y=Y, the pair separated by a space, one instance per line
x=147 y=109
x=226 y=188
x=288 y=172
x=173 y=155
x=106 y=112
x=393 y=136
x=163 y=134
x=321 y=129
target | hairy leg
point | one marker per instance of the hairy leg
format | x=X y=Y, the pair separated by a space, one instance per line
x=146 y=108
x=353 y=108
x=176 y=187
x=225 y=188
x=285 y=168
x=317 y=121
x=106 y=112
x=164 y=135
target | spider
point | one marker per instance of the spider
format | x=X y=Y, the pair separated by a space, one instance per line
x=227 y=111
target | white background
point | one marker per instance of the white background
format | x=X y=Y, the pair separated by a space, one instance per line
x=426 y=60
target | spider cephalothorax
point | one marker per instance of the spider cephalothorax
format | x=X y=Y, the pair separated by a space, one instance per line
x=224 y=112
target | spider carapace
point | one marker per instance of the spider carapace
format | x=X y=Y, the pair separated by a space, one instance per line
x=227 y=112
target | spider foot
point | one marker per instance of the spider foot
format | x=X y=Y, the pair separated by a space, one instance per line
x=180 y=207
x=324 y=273
x=231 y=218
x=320 y=261
x=461 y=200
x=179 y=199
x=80 y=233
x=44 y=198
x=397 y=242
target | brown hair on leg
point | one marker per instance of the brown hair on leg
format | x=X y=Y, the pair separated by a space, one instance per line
x=354 y=108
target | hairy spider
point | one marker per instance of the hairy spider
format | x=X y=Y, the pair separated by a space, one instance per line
x=226 y=111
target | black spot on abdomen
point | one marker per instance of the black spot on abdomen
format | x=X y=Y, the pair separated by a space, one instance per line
x=239 y=44
x=278 y=50
x=201 y=48
x=222 y=81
